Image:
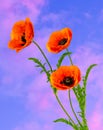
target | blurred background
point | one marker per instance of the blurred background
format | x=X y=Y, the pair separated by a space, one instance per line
x=26 y=99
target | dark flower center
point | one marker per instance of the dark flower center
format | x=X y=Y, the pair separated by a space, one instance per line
x=23 y=38
x=67 y=81
x=63 y=41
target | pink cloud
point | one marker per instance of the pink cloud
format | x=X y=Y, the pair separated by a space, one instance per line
x=28 y=126
x=96 y=118
x=39 y=93
x=33 y=126
x=31 y=5
x=18 y=10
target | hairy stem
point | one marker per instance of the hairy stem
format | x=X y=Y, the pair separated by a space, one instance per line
x=73 y=109
x=70 y=95
x=43 y=55
x=64 y=109
x=70 y=57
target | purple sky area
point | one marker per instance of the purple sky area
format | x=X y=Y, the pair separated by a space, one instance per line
x=26 y=100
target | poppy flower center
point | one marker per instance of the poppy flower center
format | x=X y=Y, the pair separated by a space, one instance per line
x=63 y=41
x=23 y=38
x=67 y=81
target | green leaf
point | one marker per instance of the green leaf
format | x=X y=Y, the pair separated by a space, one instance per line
x=61 y=58
x=75 y=126
x=80 y=93
x=87 y=74
x=39 y=64
x=81 y=97
x=64 y=121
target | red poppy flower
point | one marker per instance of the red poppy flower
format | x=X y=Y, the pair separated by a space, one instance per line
x=59 y=40
x=21 y=35
x=65 y=77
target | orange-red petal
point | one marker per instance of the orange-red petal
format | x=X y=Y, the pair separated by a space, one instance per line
x=72 y=73
x=16 y=45
x=53 y=45
x=21 y=35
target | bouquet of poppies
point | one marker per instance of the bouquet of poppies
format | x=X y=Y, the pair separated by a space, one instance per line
x=63 y=77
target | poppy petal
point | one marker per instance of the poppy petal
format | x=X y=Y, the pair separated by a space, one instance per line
x=65 y=77
x=59 y=40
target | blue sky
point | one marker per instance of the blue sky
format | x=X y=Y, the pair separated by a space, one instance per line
x=26 y=100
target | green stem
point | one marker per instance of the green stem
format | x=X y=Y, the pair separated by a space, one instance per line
x=70 y=57
x=64 y=109
x=43 y=55
x=70 y=95
x=73 y=109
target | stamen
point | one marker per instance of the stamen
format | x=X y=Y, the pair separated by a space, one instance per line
x=22 y=44
x=67 y=81
x=63 y=41
x=23 y=38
